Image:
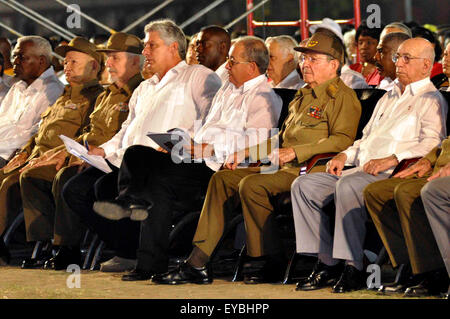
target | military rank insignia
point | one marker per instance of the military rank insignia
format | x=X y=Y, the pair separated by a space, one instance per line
x=315 y=112
x=70 y=105
x=121 y=107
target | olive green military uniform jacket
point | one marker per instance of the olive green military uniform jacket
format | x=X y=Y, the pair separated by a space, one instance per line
x=321 y=120
x=440 y=156
x=67 y=116
x=110 y=111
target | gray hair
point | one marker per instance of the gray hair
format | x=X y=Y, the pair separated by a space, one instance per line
x=141 y=58
x=255 y=51
x=40 y=46
x=405 y=29
x=286 y=43
x=169 y=32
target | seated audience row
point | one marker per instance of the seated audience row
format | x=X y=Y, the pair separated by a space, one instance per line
x=221 y=97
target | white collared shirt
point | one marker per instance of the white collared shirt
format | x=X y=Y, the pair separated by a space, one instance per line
x=239 y=116
x=386 y=84
x=353 y=79
x=180 y=98
x=20 y=111
x=408 y=125
x=291 y=81
x=6 y=82
x=222 y=72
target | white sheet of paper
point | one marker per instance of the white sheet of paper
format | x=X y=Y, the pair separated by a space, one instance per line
x=78 y=150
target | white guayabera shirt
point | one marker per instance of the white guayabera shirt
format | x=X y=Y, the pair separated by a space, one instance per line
x=20 y=111
x=353 y=79
x=239 y=116
x=180 y=98
x=292 y=81
x=408 y=125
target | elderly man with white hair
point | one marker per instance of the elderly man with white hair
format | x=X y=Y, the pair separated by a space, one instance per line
x=37 y=88
x=282 y=68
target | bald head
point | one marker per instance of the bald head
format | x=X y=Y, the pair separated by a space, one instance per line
x=416 y=58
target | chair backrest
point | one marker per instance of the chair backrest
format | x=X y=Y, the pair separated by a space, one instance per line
x=368 y=99
x=287 y=95
x=447 y=98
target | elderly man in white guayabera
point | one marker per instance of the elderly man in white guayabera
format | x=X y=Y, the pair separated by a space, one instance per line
x=282 y=70
x=37 y=89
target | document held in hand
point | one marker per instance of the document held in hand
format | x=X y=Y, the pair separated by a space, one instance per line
x=78 y=150
x=173 y=142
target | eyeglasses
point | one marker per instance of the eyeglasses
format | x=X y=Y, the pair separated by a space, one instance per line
x=232 y=62
x=312 y=59
x=405 y=58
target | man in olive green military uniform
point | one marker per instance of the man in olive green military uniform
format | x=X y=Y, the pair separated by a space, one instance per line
x=46 y=214
x=407 y=229
x=67 y=116
x=323 y=117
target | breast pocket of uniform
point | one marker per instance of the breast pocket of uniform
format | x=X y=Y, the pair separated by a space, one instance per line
x=117 y=115
x=71 y=112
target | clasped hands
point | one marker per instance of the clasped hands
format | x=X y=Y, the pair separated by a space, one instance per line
x=372 y=167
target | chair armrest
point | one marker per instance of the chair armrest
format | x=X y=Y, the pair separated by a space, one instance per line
x=319 y=159
x=404 y=164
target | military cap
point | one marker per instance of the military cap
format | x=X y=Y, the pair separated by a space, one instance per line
x=124 y=42
x=80 y=44
x=325 y=44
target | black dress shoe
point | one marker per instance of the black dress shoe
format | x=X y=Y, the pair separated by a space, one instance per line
x=5 y=256
x=272 y=270
x=403 y=280
x=351 y=279
x=262 y=277
x=321 y=276
x=137 y=275
x=38 y=262
x=433 y=284
x=34 y=263
x=184 y=274
x=64 y=257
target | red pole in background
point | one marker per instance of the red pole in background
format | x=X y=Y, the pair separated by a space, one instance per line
x=250 y=30
x=357 y=8
x=304 y=19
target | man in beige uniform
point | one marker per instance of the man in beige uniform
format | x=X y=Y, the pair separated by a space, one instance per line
x=323 y=117
x=398 y=213
x=68 y=116
x=46 y=214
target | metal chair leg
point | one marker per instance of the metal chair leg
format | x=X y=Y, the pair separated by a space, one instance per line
x=12 y=228
x=98 y=254
x=382 y=257
x=238 y=275
x=290 y=268
x=90 y=252
x=37 y=249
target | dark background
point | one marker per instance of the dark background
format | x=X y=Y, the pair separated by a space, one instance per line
x=120 y=13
